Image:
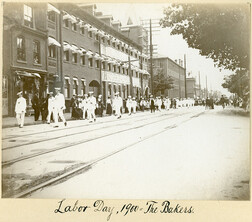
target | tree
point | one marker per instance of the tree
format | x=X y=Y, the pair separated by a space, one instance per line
x=219 y=31
x=161 y=82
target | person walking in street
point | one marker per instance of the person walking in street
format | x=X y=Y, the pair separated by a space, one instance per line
x=36 y=106
x=59 y=107
x=73 y=105
x=44 y=108
x=109 y=106
x=51 y=107
x=134 y=105
x=100 y=106
x=152 y=104
x=91 y=107
x=84 y=105
x=129 y=104
x=20 y=109
x=118 y=105
x=222 y=102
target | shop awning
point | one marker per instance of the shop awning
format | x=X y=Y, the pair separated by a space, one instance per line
x=52 y=8
x=97 y=56
x=89 y=53
x=75 y=49
x=83 y=50
x=28 y=74
x=76 y=80
x=67 y=46
x=69 y=17
x=52 y=41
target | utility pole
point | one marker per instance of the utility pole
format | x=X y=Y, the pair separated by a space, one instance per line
x=151 y=62
x=199 y=86
x=206 y=88
x=185 y=74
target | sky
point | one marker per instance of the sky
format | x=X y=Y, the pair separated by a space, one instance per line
x=172 y=46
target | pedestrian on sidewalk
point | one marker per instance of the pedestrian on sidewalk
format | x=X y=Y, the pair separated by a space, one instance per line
x=118 y=105
x=36 y=106
x=91 y=107
x=20 y=109
x=44 y=108
x=51 y=107
x=109 y=106
x=152 y=104
x=129 y=104
x=100 y=106
x=84 y=105
x=59 y=107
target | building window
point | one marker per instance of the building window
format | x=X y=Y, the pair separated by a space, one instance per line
x=122 y=49
x=119 y=69
x=90 y=34
x=28 y=19
x=109 y=43
x=82 y=30
x=83 y=87
x=97 y=63
x=97 y=37
x=74 y=27
x=135 y=55
x=90 y=62
x=113 y=44
x=67 y=88
x=103 y=65
x=103 y=39
x=75 y=86
x=131 y=53
x=137 y=74
x=66 y=23
x=52 y=51
x=118 y=46
x=114 y=68
x=74 y=57
x=109 y=90
x=66 y=55
x=123 y=70
x=127 y=71
x=36 y=52
x=21 y=48
x=127 y=51
x=109 y=67
x=83 y=60
x=51 y=16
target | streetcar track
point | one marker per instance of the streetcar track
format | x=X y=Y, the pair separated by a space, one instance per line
x=67 y=135
x=71 y=127
x=73 y=172
x=10 y=162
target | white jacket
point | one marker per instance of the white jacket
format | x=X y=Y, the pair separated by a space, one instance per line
x=20 y=105
x=60 y=101
x=51 y=103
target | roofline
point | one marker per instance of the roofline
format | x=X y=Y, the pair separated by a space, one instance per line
x=166 y=57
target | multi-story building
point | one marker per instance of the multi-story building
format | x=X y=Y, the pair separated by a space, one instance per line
x=175 y=71
x=24 y=53
x=68 y=46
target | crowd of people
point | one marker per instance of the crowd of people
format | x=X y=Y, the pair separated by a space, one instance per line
x=87 y=106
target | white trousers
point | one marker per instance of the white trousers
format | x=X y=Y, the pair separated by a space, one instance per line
x=134 y=109
x=20 y=118
x=84 y=109
x=118 y=111
x=91 y=114
x=58 y=113
x=129 y=109
x=50 y=111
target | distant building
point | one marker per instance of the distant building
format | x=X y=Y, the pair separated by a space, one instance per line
x=191 y=87
x=175 y=71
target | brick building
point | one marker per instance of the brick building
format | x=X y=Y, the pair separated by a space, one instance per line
x=68 y=46
x=175 y=71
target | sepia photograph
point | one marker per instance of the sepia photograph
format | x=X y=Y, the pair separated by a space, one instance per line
x=126 y=101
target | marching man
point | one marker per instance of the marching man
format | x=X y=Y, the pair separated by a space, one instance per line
x=84 y=105
x=91 y=107
x=51 y=107
x=129 y=104
x=20 y=109
x=134 y=104
x=118 y=105
x=59 y=107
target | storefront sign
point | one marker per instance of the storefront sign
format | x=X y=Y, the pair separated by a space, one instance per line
x=115 y=78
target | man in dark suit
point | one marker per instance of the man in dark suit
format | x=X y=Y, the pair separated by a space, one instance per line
x=36 y=106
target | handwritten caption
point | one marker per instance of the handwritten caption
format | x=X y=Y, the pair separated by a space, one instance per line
x=99 y=206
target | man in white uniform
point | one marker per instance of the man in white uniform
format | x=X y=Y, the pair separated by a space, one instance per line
x=59 y=107
x=84 y=105
x=134 y=104
x=118 y=105
x=91 y=107
x=51 y=107
x=20 y=109
x=129 y=104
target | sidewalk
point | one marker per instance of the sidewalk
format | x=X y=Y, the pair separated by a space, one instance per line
x=29 y=120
